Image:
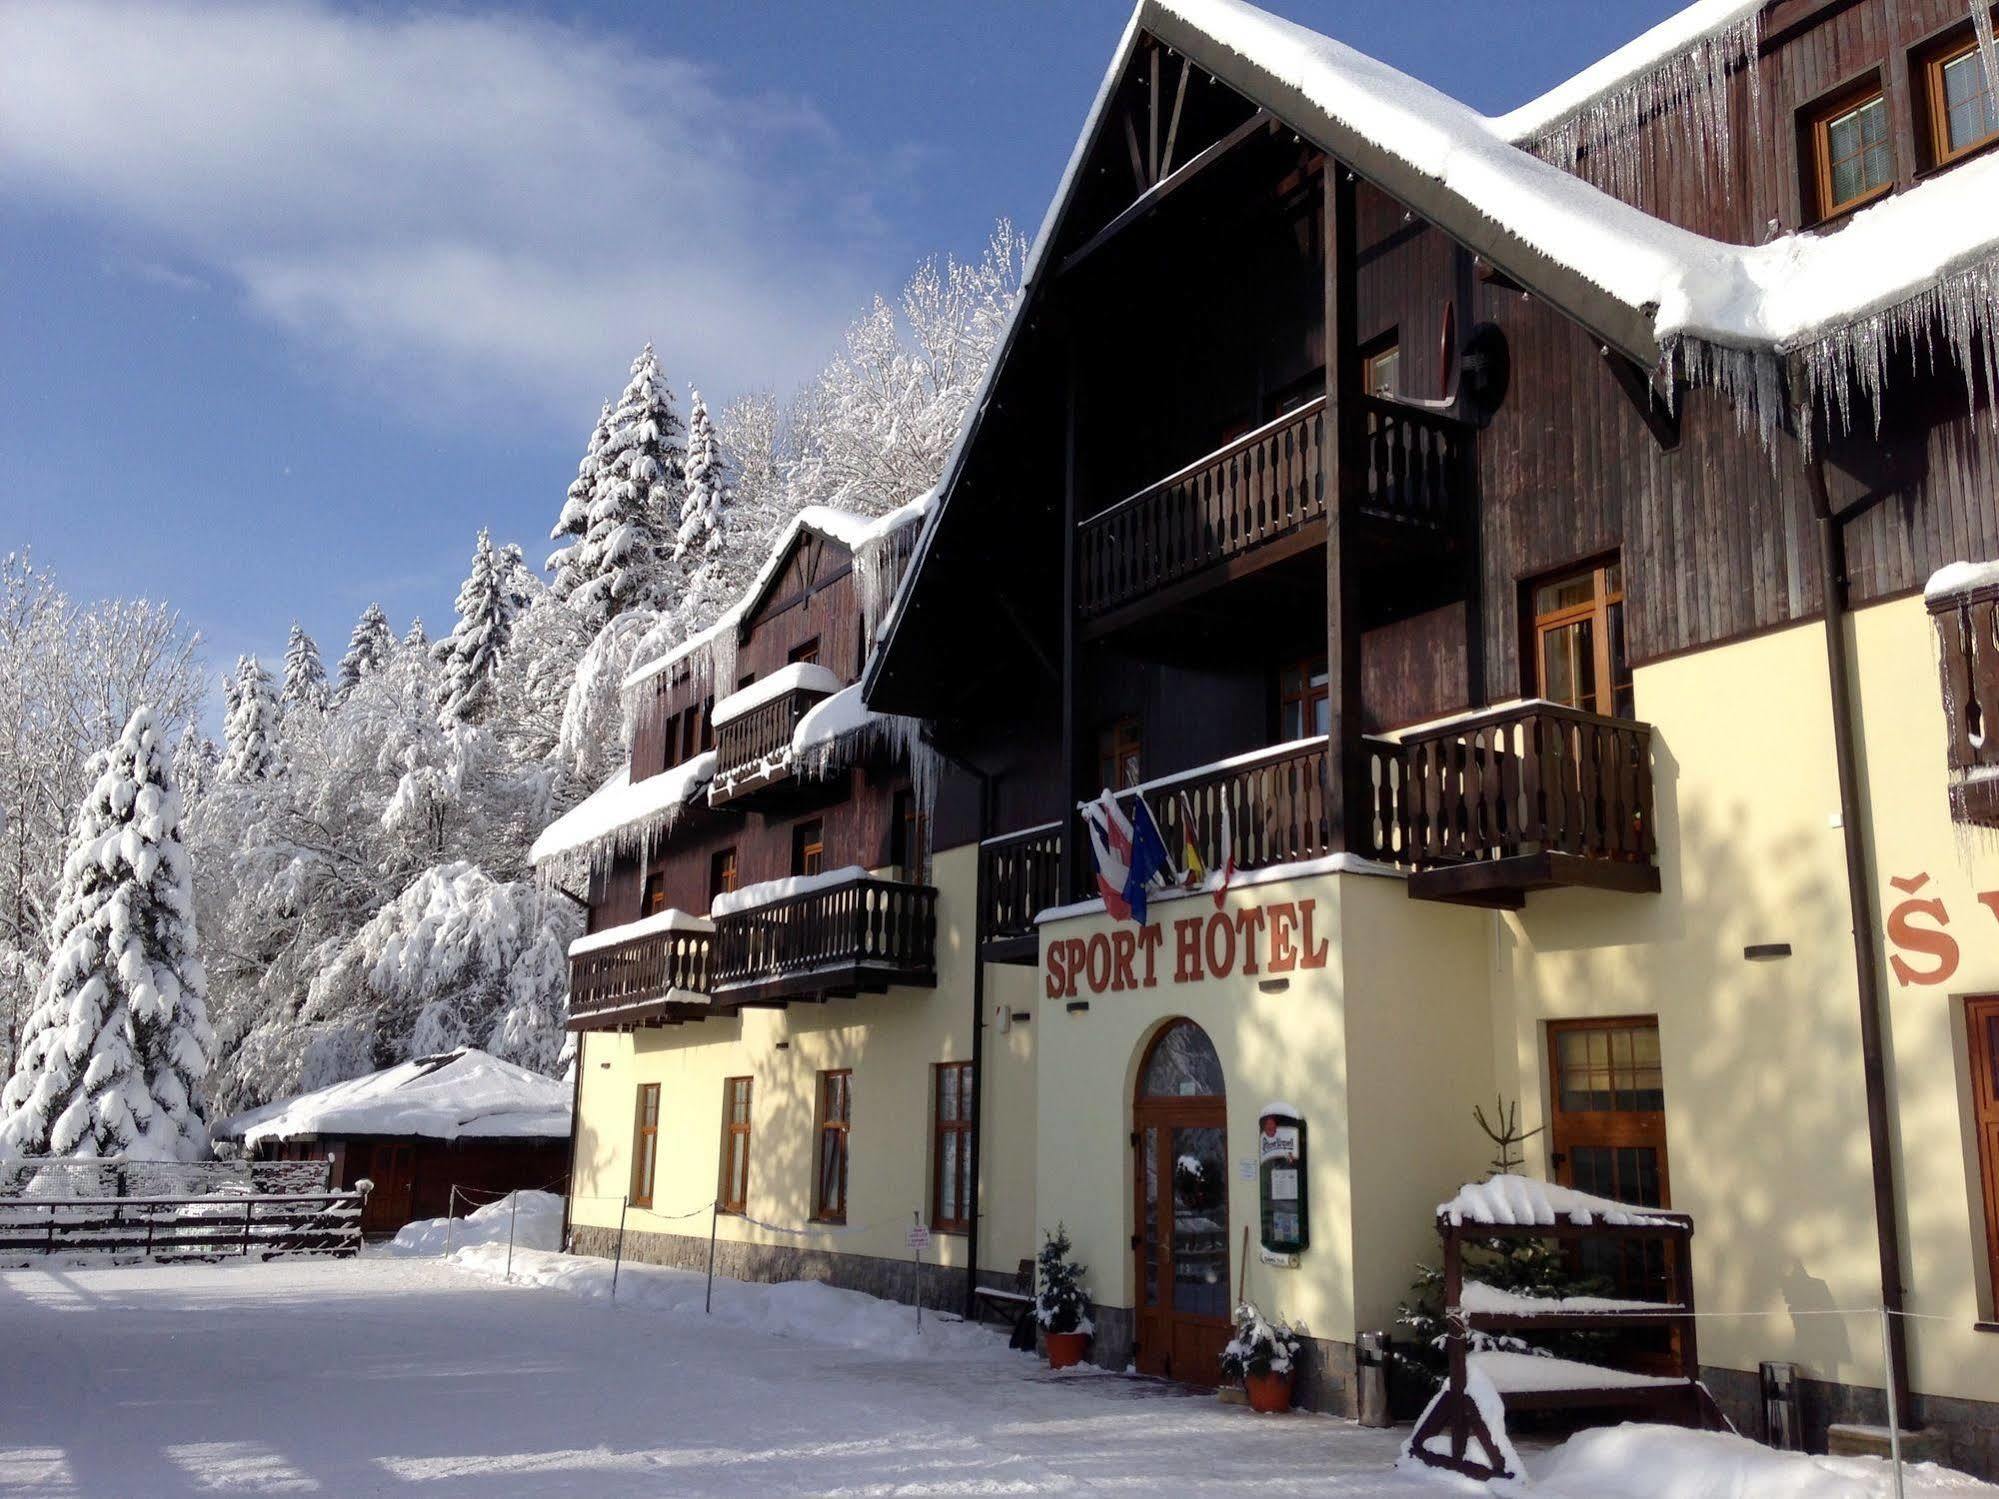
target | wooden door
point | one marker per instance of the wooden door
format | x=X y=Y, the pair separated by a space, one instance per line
x=392 y=1169
x=1181 y=1209
x=1608 y=1135
x=1981 y=1023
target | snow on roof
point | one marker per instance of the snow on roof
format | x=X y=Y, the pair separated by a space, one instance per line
x=807 y=676
x=619 y=810
x=1527 y=1200
x=851 y=530
x=455 y=1095
x=672 y=919
x=1644 y=54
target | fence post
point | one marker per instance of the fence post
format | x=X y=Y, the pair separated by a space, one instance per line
x=1894 y=1401
x=714 y=1214
x=618 y=1259
x=450 y=1220
x=513 y=1213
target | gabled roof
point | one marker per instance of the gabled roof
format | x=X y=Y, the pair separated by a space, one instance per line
x=1638 y=283
x=454 y=1095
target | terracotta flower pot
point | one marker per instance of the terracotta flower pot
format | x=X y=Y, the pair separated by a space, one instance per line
x=1269 y=1393
x=1066 y=1348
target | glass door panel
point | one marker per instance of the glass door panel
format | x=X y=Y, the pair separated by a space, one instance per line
x=1200 y=1222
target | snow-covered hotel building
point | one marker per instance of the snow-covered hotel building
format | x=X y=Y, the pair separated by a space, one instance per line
x=1536 y=533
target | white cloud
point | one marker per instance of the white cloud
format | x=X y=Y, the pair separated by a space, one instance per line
x=504 y=206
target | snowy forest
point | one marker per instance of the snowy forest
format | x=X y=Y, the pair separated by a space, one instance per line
x=191 y=928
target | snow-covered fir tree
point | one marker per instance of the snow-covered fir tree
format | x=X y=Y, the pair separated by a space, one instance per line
x=305 y=674
x=702 y=507
x=196 y=761
x=487 y=603
x=572 y=524
x=118 y=1049
x=251 y=728
x=367 y=648
x=625 y=558
x=416 y=638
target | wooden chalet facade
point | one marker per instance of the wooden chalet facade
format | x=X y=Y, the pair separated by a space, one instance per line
x=1383 y=494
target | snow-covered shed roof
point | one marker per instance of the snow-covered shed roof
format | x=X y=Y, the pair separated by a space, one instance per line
x=462 y=1094
x=623 y=811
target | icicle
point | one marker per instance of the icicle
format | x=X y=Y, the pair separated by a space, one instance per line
x=891 y=734
x=1600 y=140
x=1988 y=48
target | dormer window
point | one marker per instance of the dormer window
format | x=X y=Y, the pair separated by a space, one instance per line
x=1963 y=115
x=1852 y=151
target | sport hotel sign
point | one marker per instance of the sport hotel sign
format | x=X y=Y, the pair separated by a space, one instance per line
x=1275 y=938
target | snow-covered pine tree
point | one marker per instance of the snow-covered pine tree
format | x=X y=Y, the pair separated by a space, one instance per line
x=195 y=761
x=368 y=647
x=625 y=559
x=416 y=638
x=251 y=728
x=305 y=675
x=487 y=604
x=118 y=1048
x=573 y=523
x=703 y=507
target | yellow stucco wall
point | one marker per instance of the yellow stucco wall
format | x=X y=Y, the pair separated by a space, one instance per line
x=890 y=1041
x=1766 y=1119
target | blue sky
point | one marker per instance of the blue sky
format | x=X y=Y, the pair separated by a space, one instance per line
x=294 y=298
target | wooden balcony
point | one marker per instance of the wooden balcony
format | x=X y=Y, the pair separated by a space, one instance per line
x=860 y=936
x=644 y=981
x=1262 y=498
x=753 y=752
x=1020 y=875
x=1528 y=798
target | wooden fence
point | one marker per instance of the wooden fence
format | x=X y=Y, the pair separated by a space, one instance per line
x=266 y=1225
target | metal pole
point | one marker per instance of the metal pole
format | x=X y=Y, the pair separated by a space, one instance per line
x=714 y=1213
x=618 y=1259
x=450 y=1219
x=512 y=1214
x=916 y=1264
x=1894 y=1401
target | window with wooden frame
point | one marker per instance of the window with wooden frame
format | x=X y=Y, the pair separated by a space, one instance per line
x=652 y=899
x=645 y=1144
x=1576 y=639
x=1120 y=755
x=1981 y=1034
x=906 y=837
x=1607 y=1134
x=690 y=729
x=732 y=1194
x=1304 y=701
x=809 y=651
x=1850 y=150
x=721 y=872
x=836 y=1110
x=1957 y=101
x=951 y=1184
x=1381 y=370
x=808 y=847
x=707 y=723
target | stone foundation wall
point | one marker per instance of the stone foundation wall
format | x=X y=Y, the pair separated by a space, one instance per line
x=1970 y=1428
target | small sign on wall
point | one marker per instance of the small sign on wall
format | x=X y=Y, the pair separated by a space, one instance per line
x=1284 y=1212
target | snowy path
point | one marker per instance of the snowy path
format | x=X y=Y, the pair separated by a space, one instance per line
x=405 y=1377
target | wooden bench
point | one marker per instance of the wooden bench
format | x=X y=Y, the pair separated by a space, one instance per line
x=998 y=1304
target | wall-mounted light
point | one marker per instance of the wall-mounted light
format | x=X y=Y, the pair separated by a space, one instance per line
x=1762 y=952
x=1077 y=1006
x=1272 y=986
x=781 y=1045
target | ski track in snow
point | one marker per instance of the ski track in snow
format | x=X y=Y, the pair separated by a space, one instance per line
x=381 y=1376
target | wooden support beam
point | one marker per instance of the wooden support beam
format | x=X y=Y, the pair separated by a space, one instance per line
x=1346 y=765
x=1150 y=198
x=1073 y=727
x=1173 y=128
x=1663 y=424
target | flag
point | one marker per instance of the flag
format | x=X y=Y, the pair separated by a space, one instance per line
x=1224 y=861
x=1192 y=871
x=1128 y=851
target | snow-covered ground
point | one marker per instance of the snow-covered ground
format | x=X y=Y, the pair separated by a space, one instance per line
x=415 y=1377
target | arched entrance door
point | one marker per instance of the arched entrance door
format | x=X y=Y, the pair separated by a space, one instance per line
x=1180 y=1124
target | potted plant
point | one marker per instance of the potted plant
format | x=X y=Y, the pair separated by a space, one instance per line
x=1062 y=1304
x=1263 y=1354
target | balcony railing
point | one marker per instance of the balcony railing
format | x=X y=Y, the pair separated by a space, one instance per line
x=862 y=934
x=1021 y=876
x=626 y=979
x=753 y=750
x=1416 y=467
x=1526 y=797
